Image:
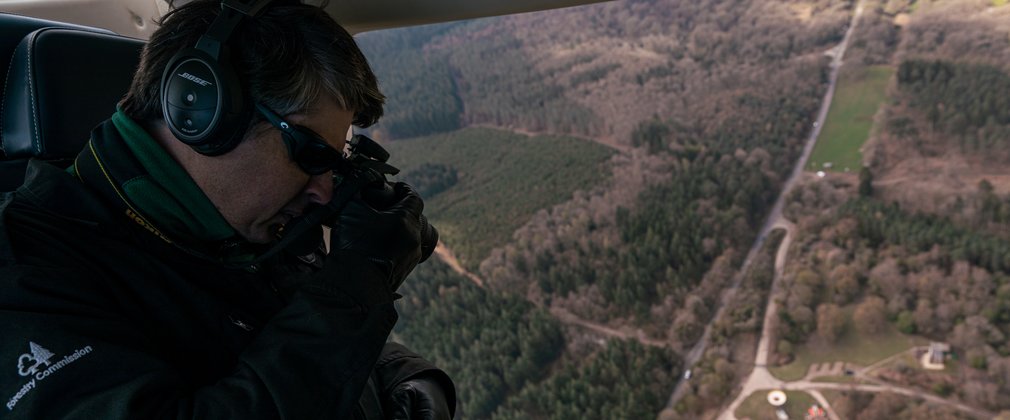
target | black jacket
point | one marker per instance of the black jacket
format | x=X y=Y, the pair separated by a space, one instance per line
x=100 y=319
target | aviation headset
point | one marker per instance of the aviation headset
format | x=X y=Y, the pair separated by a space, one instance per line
x=202 y=98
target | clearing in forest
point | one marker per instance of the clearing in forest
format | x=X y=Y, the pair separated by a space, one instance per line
x=852 y=346
x=859 y=93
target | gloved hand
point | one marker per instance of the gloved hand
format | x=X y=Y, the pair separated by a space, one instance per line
x=418 y=399
x=389 y=237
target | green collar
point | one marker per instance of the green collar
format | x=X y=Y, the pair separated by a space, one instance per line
x=166 y=193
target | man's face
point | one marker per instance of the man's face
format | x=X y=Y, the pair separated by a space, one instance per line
x=266 y=188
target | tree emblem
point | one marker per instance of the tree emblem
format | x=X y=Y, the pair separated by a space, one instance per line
x=39 y=355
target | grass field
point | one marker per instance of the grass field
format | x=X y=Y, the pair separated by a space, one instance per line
x=858 y=95
x=851 y=347
x=998 y=3
x=832 y=396
x=756 y=406
x=503 y=179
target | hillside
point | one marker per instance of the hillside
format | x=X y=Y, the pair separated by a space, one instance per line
x=703 y=108
x=706 y=104
x=596 y=70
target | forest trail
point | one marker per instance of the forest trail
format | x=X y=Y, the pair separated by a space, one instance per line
x=572 y=319
x=446 y=255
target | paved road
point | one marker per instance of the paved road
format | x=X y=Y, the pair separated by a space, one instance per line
x=761 y=358
x=774 y=221
x=915 y=393
x=698 y=350
x=760 y=377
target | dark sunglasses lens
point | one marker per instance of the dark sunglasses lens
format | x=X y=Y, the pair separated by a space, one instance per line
x=317 y=158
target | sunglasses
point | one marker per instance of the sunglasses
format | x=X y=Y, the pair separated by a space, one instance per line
x=309 y=150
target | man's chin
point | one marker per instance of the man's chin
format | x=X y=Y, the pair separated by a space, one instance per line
x=262 y=235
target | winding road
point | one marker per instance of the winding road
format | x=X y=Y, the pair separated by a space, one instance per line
x=760 y=376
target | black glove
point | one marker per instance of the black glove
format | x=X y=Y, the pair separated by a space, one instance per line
x=418 y=399
x=389 y=237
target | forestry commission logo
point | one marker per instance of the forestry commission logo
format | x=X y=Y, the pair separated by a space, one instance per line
x=37 y=365
x=29 y=363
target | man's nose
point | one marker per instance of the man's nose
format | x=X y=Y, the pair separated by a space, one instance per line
x=320 y=188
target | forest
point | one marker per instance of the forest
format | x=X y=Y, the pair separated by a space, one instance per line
x=872 y=266
x=623 y=381
x=870 y=263
x=499 y=348
x=491 y=344
x=725 y=176
x=967 y=102
x=690 y=198
x=648 y=141
x=862 y=405
x=422 y=96
x=728 y=155
x=593 y=71
x=481 y=184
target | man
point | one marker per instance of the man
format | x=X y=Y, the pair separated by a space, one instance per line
x=131 y=284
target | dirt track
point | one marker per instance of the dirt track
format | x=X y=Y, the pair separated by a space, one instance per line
x=561 y=314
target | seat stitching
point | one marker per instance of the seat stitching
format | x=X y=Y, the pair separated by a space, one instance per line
x=31 y=90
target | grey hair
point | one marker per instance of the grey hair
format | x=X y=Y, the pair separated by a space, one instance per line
x=288 y=58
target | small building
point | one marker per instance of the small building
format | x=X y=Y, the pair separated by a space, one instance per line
x=934 y=357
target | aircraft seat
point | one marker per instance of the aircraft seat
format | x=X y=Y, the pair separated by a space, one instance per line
x=61 y=82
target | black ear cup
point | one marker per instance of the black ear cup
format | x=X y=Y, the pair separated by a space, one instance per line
x=202 y=102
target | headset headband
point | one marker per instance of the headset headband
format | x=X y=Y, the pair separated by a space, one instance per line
x=221 y=29
x=203 y=101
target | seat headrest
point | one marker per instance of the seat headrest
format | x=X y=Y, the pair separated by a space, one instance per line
x=13 y=29
x=60 y=84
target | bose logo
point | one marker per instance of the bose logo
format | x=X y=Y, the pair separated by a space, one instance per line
x=194 y=79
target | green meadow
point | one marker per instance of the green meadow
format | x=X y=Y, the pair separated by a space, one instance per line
x=858 y=95
x=852 y=346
